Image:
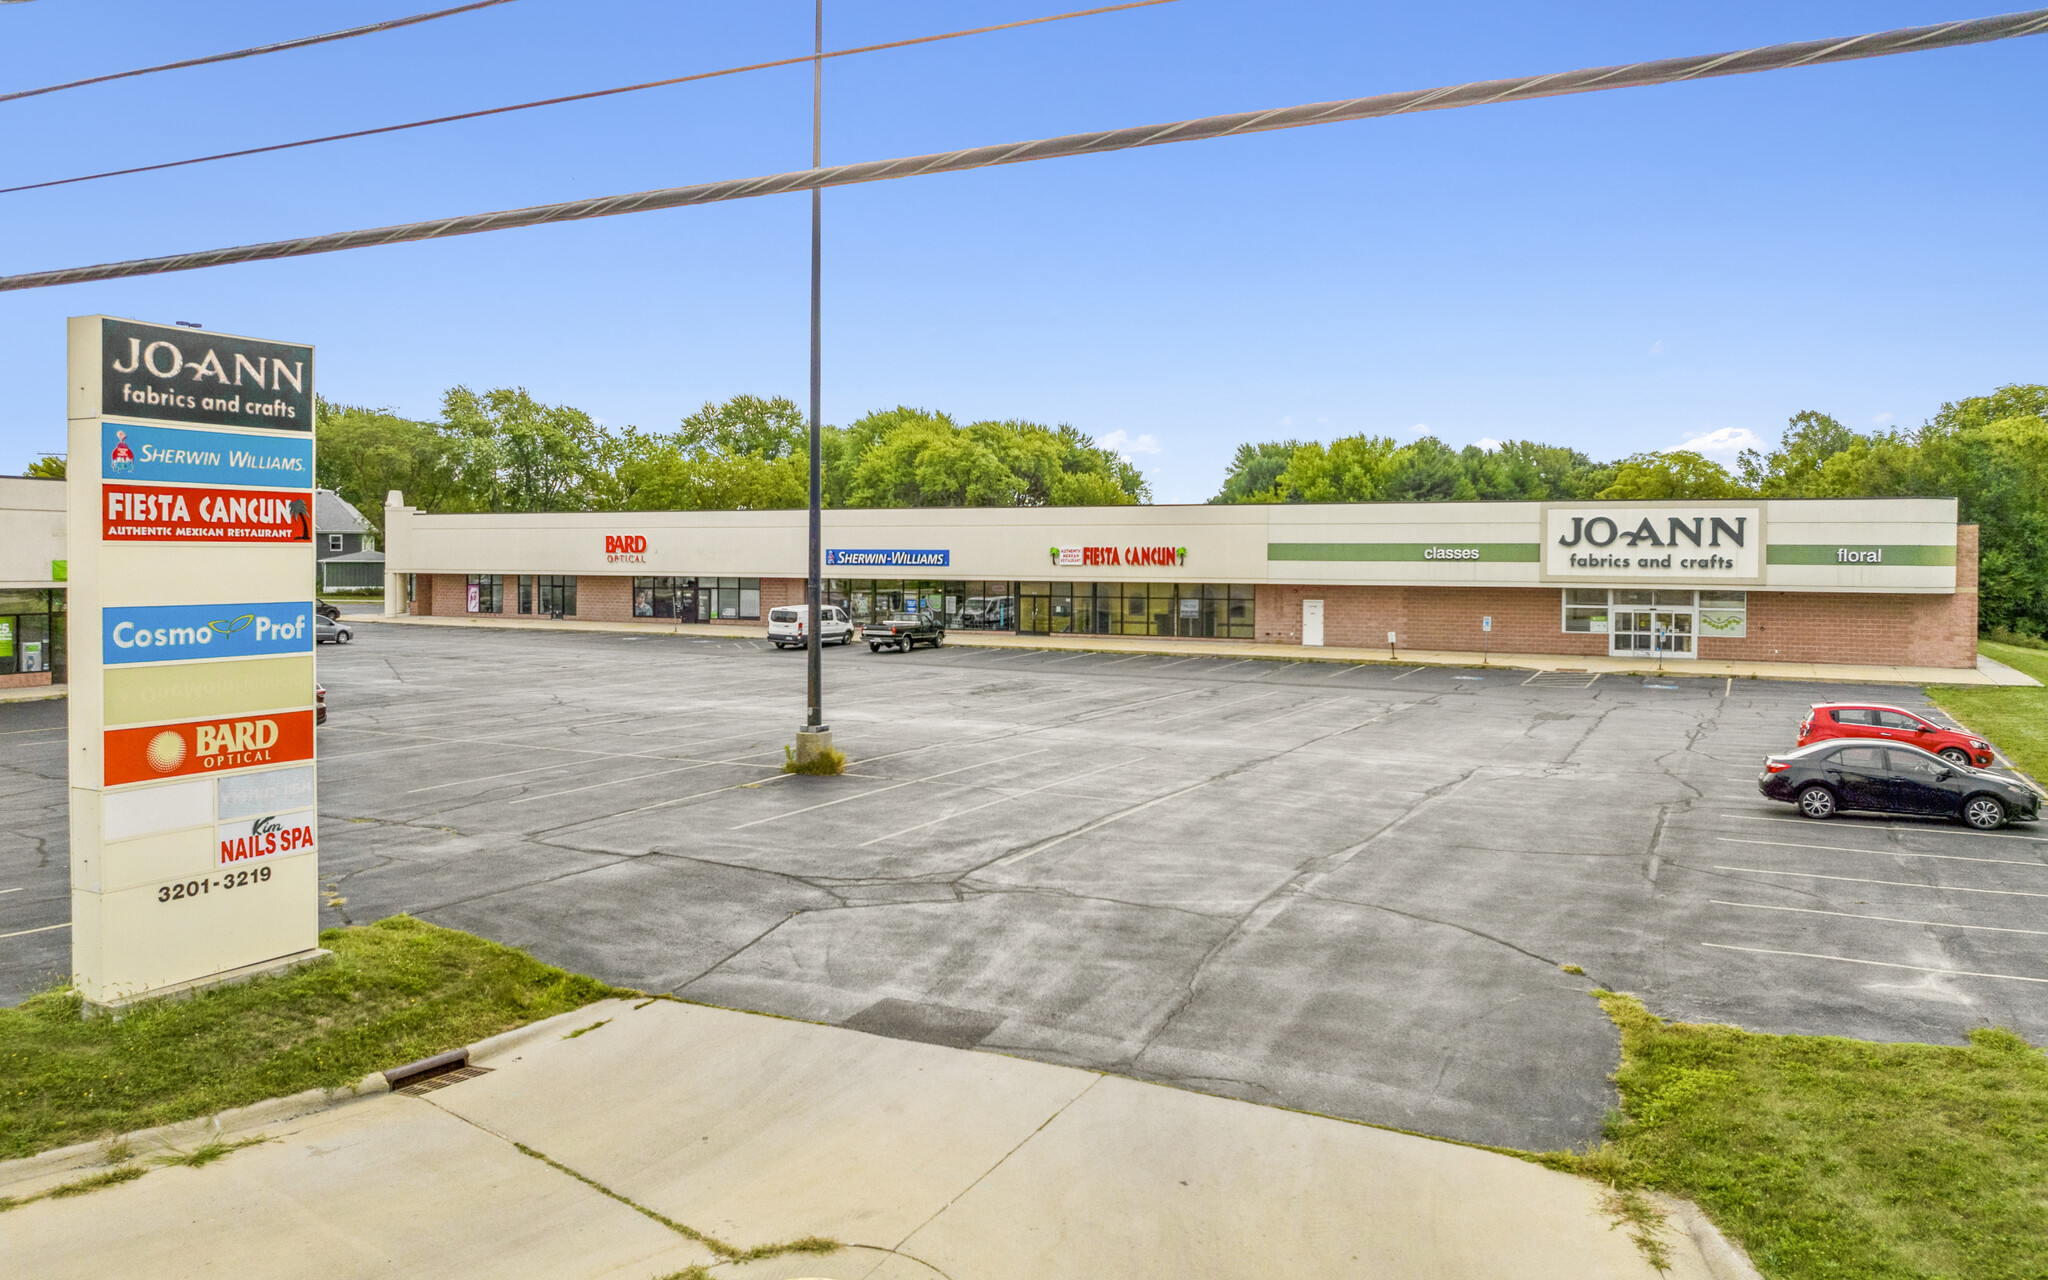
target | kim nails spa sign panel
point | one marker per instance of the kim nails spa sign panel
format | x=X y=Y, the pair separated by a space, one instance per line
x=1654 y=542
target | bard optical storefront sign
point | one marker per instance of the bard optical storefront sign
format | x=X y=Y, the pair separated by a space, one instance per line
x=1653 y=543
x=193 y=830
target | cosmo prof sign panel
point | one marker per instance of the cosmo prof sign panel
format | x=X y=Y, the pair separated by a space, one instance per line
x=1620 y=543
x=155 y=513
x=173 y=374
x=184 y=632
x=174 y=455
x=152 y=753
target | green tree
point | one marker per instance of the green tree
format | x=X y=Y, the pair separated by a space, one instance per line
x=1678 y=474
x=1794 y=469
x=768 y=428
x=515 y=453
x=362 y=454
x=48 y=467
x=1427 y=471
x=1254 y=470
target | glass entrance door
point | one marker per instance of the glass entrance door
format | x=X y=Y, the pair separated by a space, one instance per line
x=1671 y=632
x=1652 y=622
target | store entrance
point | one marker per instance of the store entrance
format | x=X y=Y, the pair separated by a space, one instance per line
x=1652 y=622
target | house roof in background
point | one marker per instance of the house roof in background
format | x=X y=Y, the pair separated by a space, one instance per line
x=333 y=514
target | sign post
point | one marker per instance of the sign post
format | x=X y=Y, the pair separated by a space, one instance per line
x=1486 y=640
x=190 y=576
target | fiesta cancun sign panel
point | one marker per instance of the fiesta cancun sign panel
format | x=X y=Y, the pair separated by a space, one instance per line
x=1619 y=543
x=1118 y=557
x=153 y=513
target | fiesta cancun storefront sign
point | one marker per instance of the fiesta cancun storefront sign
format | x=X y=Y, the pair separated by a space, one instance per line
x=1119 y=557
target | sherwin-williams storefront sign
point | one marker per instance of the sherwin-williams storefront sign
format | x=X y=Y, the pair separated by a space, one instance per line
x=1613 y=543
x=839 y=559
x=191 y=560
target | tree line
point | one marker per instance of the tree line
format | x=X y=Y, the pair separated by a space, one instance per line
x=502 y=450
x=1990 y=453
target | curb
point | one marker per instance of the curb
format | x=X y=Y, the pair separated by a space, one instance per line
x=1725 y=1260
x=57 y=1165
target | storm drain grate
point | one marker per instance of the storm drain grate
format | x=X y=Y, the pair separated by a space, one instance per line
x=442 y=1080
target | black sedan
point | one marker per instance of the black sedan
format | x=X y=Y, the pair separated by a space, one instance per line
x=1828 y=777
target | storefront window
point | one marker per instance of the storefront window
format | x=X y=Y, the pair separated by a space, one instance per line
x=727 y=599
x=665 y=598
x=490 y=592
x=1212 y=609
x=557 y=594
x=32 y=633
x=1724 y=615
x=1585 y=610
x=525 y=591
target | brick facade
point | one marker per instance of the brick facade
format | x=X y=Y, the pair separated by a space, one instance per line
x=24 y=679
x=776 y=592
x=1784 y=626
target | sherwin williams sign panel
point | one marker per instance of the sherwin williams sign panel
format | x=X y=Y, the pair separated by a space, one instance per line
x=888 y=559
x=173 y=374
x=183 y=632
x=151 y=513
x=177 y=455
x=152 y=753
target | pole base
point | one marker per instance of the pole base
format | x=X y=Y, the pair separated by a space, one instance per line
x=812 y=742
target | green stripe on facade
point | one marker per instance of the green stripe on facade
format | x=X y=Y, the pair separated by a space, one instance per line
x=1860 y=555
x=1494 y=552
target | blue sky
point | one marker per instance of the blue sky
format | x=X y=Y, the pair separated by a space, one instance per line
x=1618 y=272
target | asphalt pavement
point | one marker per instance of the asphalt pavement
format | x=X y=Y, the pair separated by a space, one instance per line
x=1344 y=889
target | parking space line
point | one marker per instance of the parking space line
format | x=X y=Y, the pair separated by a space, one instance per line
x=16 y=890
x=1004 y=800
x=1886 y=853
x=1881 y=964
x=1405 y=674
x=1270 y=693
x=54 y=728
x=1893 y=826
x=1932 y=924
x=1118 y=816
x=22 y=933
x=1897 y=884
x=1133 y=658
x=909 y=782
x=640 y=777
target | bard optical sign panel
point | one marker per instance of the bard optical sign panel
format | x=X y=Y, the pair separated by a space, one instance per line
x=191 y=569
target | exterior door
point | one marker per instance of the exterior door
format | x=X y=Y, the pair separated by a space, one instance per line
x=1671 y=631
x=1312 y=622
x=1859 y=775
x=1917 y=784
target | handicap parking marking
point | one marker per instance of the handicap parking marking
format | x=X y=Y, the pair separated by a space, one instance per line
x=1896 y=884
x=1886 y=853
x=1851 y=915
x=1881 y=964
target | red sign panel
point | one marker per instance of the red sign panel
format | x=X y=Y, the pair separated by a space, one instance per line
x=156 y=513
x=153 y=752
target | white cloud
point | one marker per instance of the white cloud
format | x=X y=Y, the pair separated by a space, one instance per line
x=1285 y=422
x=1657 y=347
x=1121 y=442
x=1721 y=445
x=1882 y=418
x=1487 y=442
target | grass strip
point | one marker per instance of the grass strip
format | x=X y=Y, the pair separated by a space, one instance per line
x=395 y=991
x=2015 y=720
x=1827 y=1157
x=79 y=1187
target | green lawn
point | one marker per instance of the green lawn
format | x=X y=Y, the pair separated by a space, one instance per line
x=1838 y=1158
x=2014 y=720
x=395 y=991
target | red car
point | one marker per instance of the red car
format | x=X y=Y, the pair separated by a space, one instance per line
x=319 y=703
x=1870 y=720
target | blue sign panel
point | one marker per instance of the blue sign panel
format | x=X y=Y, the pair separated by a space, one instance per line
x=181 y=632
x=888 y=559
x=129 y=451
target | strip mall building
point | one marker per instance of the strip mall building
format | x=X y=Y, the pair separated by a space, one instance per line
x=1881 y=581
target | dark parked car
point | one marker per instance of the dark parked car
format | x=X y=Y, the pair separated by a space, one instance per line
x=319 y=703
x=327 y=610
x=1892 y=724
x=905 y=631
x=1828 y=777
x=326 y=630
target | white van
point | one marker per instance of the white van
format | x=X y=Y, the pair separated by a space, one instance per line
x=786 y=626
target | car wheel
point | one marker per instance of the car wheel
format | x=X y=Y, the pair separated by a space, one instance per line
x=873 y=647
x=343 y=637
x=938 y=639
x=1985 y=813
x=1817 y=802
x=1955 y=756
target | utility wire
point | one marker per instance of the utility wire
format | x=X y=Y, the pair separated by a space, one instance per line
x=1479 y=93
x=578 y=97
x=279 y=47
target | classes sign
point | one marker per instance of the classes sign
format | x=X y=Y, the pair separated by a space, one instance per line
x=183 y=375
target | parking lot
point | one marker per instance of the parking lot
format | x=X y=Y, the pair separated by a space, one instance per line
x=1347 y=889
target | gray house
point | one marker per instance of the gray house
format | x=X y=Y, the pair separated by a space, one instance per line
x=344 y=544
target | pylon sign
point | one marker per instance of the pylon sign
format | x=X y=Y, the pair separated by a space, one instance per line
x=194 y=834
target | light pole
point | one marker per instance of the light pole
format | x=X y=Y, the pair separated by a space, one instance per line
x=816 y=736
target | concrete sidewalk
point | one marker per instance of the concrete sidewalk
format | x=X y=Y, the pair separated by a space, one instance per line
x=566 y=1157
x=1987 y=671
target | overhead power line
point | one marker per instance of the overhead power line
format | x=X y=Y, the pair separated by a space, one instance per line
x=282 y=45
x=578 y=97
x=1479 y=93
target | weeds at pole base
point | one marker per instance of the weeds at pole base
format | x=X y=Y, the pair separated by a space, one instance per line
x=827 y=763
